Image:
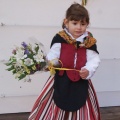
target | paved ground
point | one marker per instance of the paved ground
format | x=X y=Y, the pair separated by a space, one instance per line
x=16 y=116
x=110 y=113
x=107 y=113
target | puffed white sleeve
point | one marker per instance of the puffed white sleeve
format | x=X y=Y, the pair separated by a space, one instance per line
x=93 y=61
x=54 y=53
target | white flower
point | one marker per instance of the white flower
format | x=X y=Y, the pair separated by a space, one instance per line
x=17 y=75
x=39 y=57
x=18 y=63
x=34 y=46
x=28 y=62
x=20 y=54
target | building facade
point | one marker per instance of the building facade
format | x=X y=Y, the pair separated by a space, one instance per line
x=29 y=20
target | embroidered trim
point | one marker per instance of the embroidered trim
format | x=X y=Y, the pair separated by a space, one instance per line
x=64 y=35
x=88 y=41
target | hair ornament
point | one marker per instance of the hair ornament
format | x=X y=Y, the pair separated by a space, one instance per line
x=84 y=2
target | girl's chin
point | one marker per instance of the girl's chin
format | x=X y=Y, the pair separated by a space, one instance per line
x=78 y=35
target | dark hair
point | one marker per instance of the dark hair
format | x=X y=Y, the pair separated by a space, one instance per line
x=77 y=12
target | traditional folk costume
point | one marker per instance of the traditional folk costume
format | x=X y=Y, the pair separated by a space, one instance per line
x=67 y=96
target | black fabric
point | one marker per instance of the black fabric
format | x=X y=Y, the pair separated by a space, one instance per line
x=68 y=95
x=78 y=44
x=57 y=39
x=94 y=48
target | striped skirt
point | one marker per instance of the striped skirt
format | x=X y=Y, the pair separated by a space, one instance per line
x=45 y=108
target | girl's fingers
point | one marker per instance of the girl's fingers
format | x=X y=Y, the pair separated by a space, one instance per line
x=84 y=73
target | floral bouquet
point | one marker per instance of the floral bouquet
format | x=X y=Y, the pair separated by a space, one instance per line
x=26 y=60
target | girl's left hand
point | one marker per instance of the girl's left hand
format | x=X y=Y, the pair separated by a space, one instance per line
x=84 y=73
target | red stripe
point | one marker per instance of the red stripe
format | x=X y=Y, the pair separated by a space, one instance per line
x=95 y=95
x=41 y=107
x=39 y=98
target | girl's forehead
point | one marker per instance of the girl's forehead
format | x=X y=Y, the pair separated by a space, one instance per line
x=81 y=21
x=77 y=18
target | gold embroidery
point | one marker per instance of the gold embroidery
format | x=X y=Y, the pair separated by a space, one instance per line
x=67 y=37
x=88 y=42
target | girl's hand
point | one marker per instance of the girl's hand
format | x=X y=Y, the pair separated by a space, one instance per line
x=84 y=73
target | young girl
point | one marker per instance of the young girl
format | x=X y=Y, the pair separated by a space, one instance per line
x=70 y=95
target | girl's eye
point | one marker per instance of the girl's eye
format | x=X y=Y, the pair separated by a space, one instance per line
x=83 y=24
x=75 y=23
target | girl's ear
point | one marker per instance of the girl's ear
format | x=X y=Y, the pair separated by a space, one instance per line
x=65 y=23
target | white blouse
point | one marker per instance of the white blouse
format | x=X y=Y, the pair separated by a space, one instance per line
x=93 y=59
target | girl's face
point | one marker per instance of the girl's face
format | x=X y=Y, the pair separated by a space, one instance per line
x=76 y=28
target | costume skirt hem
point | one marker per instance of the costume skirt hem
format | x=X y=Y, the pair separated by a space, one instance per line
x=45 y=108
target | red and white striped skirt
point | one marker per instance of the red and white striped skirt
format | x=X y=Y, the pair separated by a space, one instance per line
x=45 y=108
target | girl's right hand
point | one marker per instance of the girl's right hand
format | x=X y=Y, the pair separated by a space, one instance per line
x=84 y=73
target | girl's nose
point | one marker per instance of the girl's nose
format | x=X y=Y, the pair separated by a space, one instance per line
x=79 y=26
